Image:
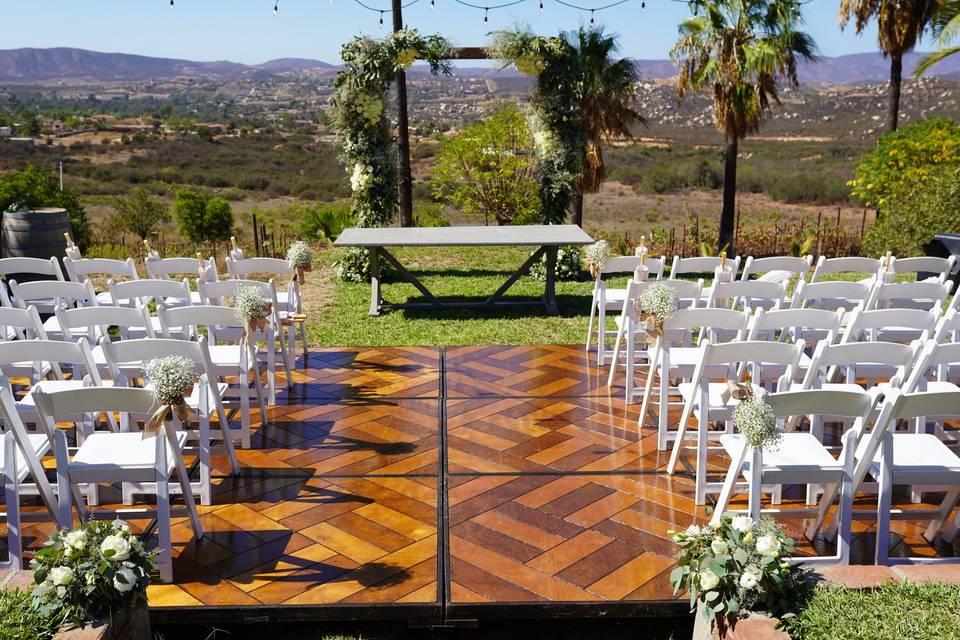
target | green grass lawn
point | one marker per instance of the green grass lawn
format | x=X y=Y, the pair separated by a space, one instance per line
x=453 y=274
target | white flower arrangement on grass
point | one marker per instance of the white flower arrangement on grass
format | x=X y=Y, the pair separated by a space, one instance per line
x=171 y=377
x=754 y=418
x=735 y=567
x=595 y=255
x=90 y=571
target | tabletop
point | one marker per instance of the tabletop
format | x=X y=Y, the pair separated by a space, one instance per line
x=510 y=235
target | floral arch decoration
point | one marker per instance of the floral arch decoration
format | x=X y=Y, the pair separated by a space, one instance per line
x=360 y=118
x=555 y=118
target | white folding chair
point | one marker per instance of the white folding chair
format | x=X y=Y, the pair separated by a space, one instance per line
x=64 y=295
x=895 y=458
x=21 y=324
x=926 y=296
x=891 y=325
x=800 y=459
x=748 y=294
x=777 y=268
x=831 y=295
x=118 y=457
x=676 y=357
x=849 y=264
x=206 y=398
x=94 y=323
x=82 y=269
x=291 y=302
x=163 y=293
x=793 y=325
x=841 y=366
x=706 y=400
x=222 y=291
x=701 y=266
x=48 y=268
x=934 y=269
x=166 y=268
x=610 y=299
x=629 y=327
x=234 y=359
x=948 y=328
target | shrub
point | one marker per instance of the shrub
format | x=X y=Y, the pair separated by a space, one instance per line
x=662 y=179
x=254 y=183
x=323 y=222
x=705 y=175
x=909 y=220
x=809 y=189
x=904 y=159
x=37 y=188
x=139 y=213
x=203 y=218
x=429 y=214
x=569 y=266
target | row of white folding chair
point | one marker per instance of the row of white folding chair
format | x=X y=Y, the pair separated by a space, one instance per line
x=52 y=294
x=124 y=456
x=605 y=298
x=45 y=268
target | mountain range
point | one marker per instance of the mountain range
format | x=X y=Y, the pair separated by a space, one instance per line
x=29 y=65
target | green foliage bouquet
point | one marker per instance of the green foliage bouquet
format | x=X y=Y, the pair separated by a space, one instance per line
x=85 y=573
x=735 y=567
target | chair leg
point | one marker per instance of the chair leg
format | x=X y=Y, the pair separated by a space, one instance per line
x=681 y=432
x=14 y=543
x=204 y=436
x=701 y=497
x=647 y=388
x=601 y=335
x=593 y=311
x=736 y=464
x=303 y=344
x=949 y=502
x=271 y=376
x=663 y=412
x=288 y=360
x=884 y=500
x=164 y=538
x=184 y=480
x=629 y=383
x=264 y=419
x=756 y=482
x=227 y=434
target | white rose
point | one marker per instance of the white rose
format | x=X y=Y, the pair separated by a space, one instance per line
x=742 y=523
x=61 y=576
x=750 y=578
x=75 y=539
x=708 y=580
x=128 y=582
x=719 y=547
x=768 y=545
x=119 y=545
x=693 y=530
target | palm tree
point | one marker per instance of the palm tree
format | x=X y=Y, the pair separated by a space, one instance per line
x=945 y=27
x=740 y=49
x=900 y=23
x=609 y=87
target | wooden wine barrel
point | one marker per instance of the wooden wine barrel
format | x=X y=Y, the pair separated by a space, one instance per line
x=35 y=234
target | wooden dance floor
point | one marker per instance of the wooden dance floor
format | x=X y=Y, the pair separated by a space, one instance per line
x=448 y=485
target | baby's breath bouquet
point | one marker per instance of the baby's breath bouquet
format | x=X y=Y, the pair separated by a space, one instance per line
x=88 y=572
x=655 y=304
x=252 y=308
x=300 y=255
x=595 y=255
x=170 y=377
x=735 y=567
x=754 y=418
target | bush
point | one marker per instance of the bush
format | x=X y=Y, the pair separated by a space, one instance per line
x=705 y=175
x=809 y=189
x=662 y=179
x=203 y=218
x=905 y=158
x=254 y=183
x=36 y=188
x=908 y=221
x=429 y=214
x=323 y=222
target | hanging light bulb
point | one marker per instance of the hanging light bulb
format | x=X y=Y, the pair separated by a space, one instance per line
x=276 y=7
x=171 y=5
x=486 y=11
x=381 y=19
x=433 y=5
x=591 y=18
x=541 y=6
x=643 y=7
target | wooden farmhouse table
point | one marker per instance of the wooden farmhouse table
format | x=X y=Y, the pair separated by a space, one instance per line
x=547 y=238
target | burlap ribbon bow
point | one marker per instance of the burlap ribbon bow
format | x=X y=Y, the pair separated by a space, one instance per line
x=155 y=421
x=259 y=323
x=299 y=271
x=654 y=329
x=737 y=390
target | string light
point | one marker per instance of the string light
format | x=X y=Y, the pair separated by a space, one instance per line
x=592 y=22
x=541 y=6
x=171 y=5
x=276 y=7
x=486 y=12
x=433 y=5
x=643 y=7
x=381 y=19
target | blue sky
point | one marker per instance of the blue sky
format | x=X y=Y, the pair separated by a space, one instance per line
x=247 y=31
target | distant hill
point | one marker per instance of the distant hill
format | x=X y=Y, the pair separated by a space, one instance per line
x=24 y=66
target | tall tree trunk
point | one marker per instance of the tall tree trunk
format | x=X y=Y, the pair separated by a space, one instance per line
x=578 y=208
x=403 y=131
x=728 y=215
x=896 y=78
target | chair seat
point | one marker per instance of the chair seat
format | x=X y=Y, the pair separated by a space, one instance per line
x=613 y=297
x=226 y=355
x=38 y=443
x=915 y=455
x=52 y=327
x=715 y=391
x=116 y=457
x=797 y=452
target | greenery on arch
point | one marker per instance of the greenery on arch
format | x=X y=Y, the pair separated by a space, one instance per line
x=555 y=120
x=359 y=116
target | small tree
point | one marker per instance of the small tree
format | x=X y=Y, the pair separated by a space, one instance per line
x=37 y=188
x=203 y=218
x=489 y=169
x=139 y=213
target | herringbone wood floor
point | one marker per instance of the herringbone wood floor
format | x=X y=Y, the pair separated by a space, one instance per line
x=476 y=476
